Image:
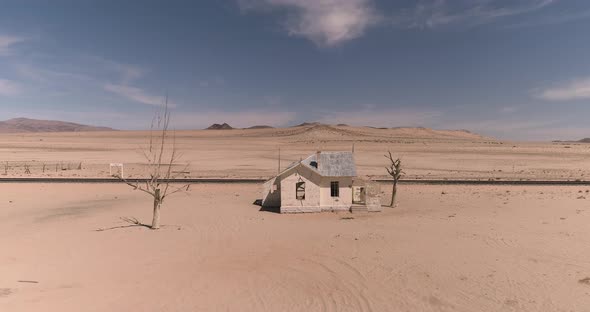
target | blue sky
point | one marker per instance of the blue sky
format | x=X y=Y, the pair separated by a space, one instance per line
x=510 y=69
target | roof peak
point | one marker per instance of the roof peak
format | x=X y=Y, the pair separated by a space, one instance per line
x=332 y=164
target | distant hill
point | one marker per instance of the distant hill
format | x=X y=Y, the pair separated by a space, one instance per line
x=223 y=126
x=260 y=127
x=314 y=132
x=307 y=124
x=584 y=140
x=18 y=125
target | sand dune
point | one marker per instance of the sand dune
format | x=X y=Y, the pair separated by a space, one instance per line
x=316 y=131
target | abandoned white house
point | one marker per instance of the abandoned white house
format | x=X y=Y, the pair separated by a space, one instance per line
x=324 y=181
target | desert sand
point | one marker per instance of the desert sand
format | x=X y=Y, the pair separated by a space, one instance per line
x=483 y=248
x=426 y=153
x=65 y=248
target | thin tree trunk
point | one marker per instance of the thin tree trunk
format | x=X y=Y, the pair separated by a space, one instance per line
x=393 y=193
x=157 y=205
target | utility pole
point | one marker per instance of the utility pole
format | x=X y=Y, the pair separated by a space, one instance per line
x=279 y=161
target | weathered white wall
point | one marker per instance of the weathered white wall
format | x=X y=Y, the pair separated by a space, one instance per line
x=373 y=198
x=271 y=193
x=343 y=202
x=317 y=192
x=289 y=201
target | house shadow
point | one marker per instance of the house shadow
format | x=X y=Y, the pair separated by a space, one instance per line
x=258 y=202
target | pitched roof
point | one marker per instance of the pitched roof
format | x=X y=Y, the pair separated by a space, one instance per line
x=332 y=164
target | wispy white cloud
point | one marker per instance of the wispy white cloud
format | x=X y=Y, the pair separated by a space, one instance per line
x=436 y=13
x=332 y=22
x=325 y=22
x=574 y=90
x=6 y=42
x=41 y=74
x=553 y=19
x=29 y=72
x=137 y=95
x=88 y=73
x=82 y=67
x=127 y=72
x=9 y=88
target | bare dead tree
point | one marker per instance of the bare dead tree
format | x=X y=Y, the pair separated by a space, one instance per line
x=396 y=172
x=161 y=155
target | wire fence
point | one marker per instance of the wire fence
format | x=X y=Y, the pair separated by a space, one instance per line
x=35 y=167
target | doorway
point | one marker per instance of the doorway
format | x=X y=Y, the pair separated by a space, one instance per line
x=358 y=195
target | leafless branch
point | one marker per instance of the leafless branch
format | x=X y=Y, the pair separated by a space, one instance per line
x=161 y=157
x=396 y=172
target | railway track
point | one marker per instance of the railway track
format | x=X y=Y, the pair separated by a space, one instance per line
x=252 y=181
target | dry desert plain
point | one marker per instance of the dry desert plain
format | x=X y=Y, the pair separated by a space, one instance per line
x=426 y=153
x=443 y=248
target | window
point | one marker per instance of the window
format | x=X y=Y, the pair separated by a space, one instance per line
x=313 y=163
x=335 y=189
x=300 y=190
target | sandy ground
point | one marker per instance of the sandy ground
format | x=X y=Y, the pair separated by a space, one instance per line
x=254 y=153
x=444 y=248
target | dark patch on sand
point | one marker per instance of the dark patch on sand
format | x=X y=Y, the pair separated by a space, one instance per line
x=5 y=292
x=77 y=210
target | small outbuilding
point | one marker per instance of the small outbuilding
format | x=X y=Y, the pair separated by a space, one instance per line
x=324 y=181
